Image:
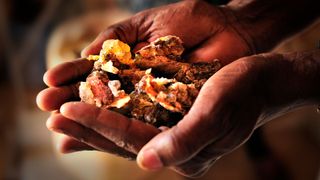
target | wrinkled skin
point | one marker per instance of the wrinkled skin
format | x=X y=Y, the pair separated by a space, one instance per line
x=232 y=103
x=206 y=31
x=237 y=99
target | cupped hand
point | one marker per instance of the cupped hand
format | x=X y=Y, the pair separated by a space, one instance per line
x=82 y=122
x=232 y=103
x=208 y=32
x=235 y=101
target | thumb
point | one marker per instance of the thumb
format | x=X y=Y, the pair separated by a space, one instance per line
x=180 y=143
x=124 y=31
x=169 y=148
x=224 y=46
x=163 y=150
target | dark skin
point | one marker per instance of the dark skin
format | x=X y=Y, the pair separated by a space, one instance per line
x=265 y=85
x=203 y=28
x=256 y=84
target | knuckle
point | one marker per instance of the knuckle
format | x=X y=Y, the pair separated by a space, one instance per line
x=120 y=31
x=74 y=65
x=98 y=117
x=74 y=89
x=126 y=142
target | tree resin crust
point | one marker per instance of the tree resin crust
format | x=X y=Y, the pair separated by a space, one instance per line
x=154 y=86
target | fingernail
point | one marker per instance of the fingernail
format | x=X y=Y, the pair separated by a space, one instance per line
x=149 y=160
x=60 y=147
x=83 y=53
x=62 y=109
x=57 y=130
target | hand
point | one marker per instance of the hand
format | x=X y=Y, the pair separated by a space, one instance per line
x=236 y=100
x=238 y=29
x=208 y=32
x=62 y=81
x=242 y=96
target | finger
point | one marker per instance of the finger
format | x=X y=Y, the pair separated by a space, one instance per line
x=123 y=31
x=223 y=46
x=60 y=124
x=163 y=128
x=67 y=72
x=139 y=46
x=68 y=144
x=52 y=98
x=127 y=133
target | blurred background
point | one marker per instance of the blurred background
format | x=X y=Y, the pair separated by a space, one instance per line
x=38 y=34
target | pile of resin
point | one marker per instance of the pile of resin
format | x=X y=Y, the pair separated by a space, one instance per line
x=155 y=86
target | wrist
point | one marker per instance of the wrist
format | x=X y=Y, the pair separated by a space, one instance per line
x=289 y=81
x=295 y=76
x=267 y=22
x=305 y=66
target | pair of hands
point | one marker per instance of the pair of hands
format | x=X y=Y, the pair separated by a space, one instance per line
x=231 y=104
